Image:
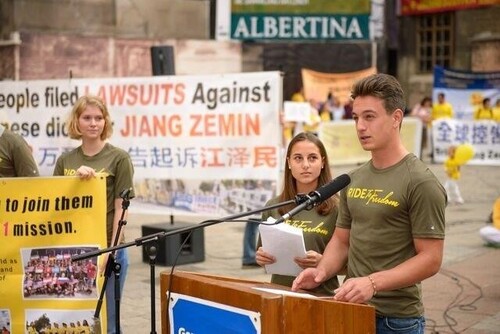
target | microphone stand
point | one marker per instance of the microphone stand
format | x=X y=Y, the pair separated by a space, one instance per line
x=308 y=204
x=299 y=199
x=152 y=259
x=112 y=265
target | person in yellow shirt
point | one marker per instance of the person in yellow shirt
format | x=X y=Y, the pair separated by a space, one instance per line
x=48 y=329
x=298 y=96
x=315 y=119
x=72 y=328
x=496 y=111
x=491 y=232
x=441 y=109
x=55 y=328
x=485 y=111
x=30 y=328
x=79 y=327
x=452 y=168
x=85 y=327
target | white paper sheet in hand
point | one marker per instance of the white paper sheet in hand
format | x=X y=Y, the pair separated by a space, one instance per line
x=284 y=242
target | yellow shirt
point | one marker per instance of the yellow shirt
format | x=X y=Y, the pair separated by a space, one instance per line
x=313 y=125
x=495 y=114
x=452 y=168
x=288 y=131
x=496 y=214
x=483 y=113
x=442 y=110
x=298 y=97
x=325 y=116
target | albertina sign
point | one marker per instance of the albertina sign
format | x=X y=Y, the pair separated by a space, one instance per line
x=352 y=27
x=293 y=20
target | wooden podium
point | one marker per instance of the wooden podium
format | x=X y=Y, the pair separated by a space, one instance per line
x=280 y=314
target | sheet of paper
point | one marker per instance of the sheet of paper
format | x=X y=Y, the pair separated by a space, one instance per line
x=284 y=242
x=287 y=293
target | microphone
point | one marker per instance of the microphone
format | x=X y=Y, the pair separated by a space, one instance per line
x=318 y=196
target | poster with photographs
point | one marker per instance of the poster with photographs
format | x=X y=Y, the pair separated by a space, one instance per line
x=46 y=221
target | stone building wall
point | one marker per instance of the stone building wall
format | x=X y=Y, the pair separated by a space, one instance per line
x=59 y=56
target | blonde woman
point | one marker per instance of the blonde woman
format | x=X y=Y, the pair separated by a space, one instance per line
x=90 y=122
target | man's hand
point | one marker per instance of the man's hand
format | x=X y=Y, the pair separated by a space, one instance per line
x=355 y=290
x=308 y=279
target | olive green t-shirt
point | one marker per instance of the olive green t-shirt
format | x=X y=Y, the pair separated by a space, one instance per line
x=317 y=231
x=385 y=209
x=114 y=162
x=16 y=158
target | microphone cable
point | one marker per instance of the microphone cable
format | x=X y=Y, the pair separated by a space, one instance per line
x=457 y=303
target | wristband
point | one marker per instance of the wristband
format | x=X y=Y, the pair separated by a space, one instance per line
x=374 y=286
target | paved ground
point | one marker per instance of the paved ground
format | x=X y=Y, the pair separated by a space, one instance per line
x=463 y=298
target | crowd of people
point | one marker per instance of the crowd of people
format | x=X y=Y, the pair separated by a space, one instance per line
x=68 y=327
x=331 y=109
x=59 y=278
x=427 y=110
x=488 y=112
x=397 y=215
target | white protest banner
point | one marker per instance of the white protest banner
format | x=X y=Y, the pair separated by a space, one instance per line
x=192 y=139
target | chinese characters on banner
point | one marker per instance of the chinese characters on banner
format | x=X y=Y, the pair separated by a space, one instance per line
x=465 y=91
x=484 y=136
x=193 y=140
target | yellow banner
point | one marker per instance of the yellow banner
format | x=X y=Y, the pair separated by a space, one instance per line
x=45 y=221
x=317 y=85
x=343 y=147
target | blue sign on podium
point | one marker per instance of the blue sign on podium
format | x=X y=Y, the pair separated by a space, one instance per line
x=190 y=315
